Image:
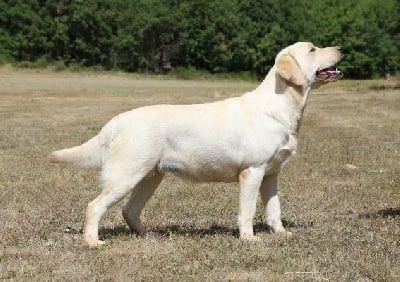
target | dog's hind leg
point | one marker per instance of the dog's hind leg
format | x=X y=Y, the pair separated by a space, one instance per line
x=271 y=203
x=118 y=183
x=139 y=197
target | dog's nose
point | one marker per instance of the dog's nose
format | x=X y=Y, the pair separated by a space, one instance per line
x=340 y=49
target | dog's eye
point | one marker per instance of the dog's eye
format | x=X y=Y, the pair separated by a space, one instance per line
x=312 y=49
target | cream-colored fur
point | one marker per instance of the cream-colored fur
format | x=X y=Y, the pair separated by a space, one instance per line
x=246 y=139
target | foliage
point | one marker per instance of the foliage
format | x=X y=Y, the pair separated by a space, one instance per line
x=216 y=36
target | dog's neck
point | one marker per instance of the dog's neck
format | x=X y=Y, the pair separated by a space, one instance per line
x=284 y=93
x=301 y=107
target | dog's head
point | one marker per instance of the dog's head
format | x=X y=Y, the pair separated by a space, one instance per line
x=304 y=64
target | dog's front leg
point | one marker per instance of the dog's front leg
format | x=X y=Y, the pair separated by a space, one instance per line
x=250 y=181
x=271 y=203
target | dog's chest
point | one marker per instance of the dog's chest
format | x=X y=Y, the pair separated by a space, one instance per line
x=282 y=156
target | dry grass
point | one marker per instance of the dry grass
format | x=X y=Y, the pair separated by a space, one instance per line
x=345 y=221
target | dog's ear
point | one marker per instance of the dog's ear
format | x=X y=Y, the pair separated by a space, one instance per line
x=289 y=70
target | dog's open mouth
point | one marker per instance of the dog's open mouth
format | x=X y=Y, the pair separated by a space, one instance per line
x=329 y=74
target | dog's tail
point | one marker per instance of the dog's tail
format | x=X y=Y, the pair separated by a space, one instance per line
x=90 y=153
x=86 y=155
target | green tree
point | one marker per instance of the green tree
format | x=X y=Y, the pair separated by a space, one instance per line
x=218 y=36
x=23 y=34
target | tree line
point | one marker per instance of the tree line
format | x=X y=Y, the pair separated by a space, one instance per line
x=212 y=35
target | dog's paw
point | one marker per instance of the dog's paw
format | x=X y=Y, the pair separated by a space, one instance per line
x=288 y=234
x=281 y=231
x=96 y=244
x=93 y=243
x=285 y=233
x=278 y=228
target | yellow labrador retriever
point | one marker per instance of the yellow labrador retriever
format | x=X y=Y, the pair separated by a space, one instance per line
x=246 y=139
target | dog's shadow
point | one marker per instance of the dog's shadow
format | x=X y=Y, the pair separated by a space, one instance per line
x=216 y=229
x=184 y=230
x=385 y=213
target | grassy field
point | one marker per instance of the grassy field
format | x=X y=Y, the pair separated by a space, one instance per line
x=340 y=195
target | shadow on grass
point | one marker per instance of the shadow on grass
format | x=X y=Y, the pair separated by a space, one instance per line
x=195 y=231
x=389 y=212
x=191 y=230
